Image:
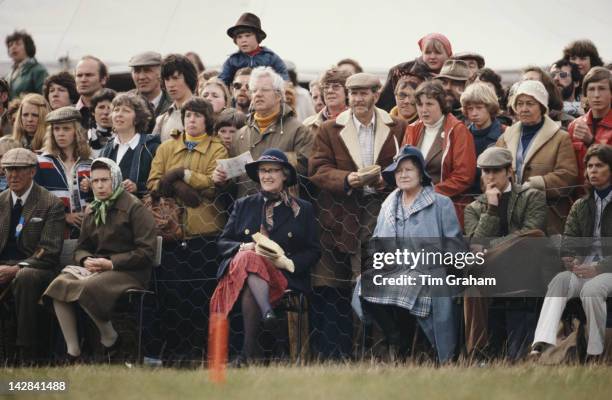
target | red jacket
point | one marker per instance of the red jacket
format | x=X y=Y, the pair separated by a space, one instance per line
x=458 y=155
x=602 y=136
x=458 y=160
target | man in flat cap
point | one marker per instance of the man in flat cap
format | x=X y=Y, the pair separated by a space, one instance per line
x=146 y=74
x=503 y=214
x=346 y=154
x=473 y=60
x=31 y=239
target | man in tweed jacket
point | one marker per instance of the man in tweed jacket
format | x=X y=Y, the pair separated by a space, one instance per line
x=31 y=239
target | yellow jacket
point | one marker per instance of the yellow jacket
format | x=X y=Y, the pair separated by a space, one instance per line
x=208 y=218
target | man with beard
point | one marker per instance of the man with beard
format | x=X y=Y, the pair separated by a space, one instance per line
x=453 y=75
x=566 y=76
x=240 y=90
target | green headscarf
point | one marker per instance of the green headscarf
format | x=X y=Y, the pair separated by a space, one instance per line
x=99 y=208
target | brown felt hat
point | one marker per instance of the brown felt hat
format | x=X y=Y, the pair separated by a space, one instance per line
x=249 y=21
x=456 y=70
x=467 y=55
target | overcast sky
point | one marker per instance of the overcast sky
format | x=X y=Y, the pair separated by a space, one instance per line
x=315 y=33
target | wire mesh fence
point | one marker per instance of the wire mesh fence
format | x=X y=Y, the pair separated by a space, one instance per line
x=320 y=326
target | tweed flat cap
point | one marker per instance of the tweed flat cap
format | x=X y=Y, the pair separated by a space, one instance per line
x=494 y=157
x=362 y=80
x=19 y=158
x=146 y=58
x=63 y=114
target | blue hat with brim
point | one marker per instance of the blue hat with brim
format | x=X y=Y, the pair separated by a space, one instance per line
x=271 y=156
x=406 y=152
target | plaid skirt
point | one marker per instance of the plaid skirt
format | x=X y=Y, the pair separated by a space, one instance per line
x=245 y=263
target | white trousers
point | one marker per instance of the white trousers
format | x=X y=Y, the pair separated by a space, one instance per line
x=593 y=293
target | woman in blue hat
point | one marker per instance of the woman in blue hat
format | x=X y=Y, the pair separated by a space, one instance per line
x=258 y=275
x=416 y=218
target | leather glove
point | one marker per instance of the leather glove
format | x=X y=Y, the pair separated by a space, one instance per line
x=263 y=251
x=267 y=244
x=283 y=262
x=188 y=195
x=155 y=195
x=169 y=178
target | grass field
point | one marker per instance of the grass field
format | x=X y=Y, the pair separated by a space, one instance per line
x=361 y=381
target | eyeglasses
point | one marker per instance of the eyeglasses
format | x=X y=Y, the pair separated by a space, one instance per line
x=331 y=86
x=404 y=96
x=562 y=74
x=263 y=171
x=238 y=86
x=262 y=90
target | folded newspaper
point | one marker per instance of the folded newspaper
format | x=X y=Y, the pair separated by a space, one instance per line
x=79 y=272
x=369 y=175
x=234 y=166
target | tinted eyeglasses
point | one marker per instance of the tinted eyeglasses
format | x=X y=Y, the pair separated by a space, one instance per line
x=562 y=74
x=238 y=85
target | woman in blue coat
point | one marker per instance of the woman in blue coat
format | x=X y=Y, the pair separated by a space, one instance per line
x=258 y=274
x=416 y=218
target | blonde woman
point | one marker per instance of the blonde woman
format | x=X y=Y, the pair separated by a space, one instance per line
x=29 y=128
x=64 y=167
x=215 y=91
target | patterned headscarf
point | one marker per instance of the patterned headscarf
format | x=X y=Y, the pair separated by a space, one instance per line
x=100 y=208
x=272 y=200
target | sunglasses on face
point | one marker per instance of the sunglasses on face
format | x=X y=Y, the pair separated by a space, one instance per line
x=238 y=86
x=561 y=74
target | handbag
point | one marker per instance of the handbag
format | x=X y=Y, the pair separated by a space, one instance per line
x=168 y=216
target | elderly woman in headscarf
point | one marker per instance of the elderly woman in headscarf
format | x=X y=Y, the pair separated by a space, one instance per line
x=115 y=253
x=287 y=246
x=413 y=217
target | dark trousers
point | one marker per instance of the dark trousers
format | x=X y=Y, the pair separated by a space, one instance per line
x=28 y=285
x=500 y=326
x=331 y=321
x=33 y=322
x=176 y=322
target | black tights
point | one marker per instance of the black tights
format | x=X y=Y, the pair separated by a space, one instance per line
x=384 y=316
x=255 y=303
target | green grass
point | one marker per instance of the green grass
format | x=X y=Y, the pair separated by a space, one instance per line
x=356 y=381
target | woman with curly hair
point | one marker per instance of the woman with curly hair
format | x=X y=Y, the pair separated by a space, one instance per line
x=60 y=90
x=131 y=148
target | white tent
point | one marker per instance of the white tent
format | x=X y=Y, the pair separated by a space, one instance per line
x=315 y=33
